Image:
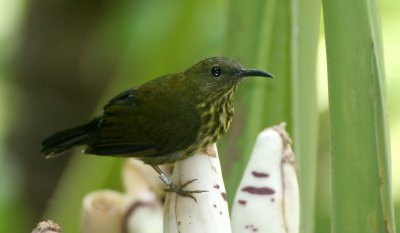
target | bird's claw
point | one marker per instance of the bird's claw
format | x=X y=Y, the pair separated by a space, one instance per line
x=184 y=193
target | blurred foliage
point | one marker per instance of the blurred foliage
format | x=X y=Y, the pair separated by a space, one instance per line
x=323 y=195
x=141 y=40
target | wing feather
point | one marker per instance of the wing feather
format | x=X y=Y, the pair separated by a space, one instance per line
x=130 y=127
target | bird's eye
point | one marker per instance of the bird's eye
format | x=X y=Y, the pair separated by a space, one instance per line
x=216 y=71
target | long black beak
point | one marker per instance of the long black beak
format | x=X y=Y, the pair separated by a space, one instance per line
x=254 y=72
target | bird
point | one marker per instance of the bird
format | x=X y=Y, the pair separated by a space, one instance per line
x=165 y=120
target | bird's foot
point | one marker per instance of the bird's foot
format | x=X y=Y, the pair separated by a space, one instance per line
x=184 y=193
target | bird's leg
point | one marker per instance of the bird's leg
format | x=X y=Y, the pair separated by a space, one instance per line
x=177 y=189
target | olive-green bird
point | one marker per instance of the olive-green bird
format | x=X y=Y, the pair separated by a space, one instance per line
x=164 y=120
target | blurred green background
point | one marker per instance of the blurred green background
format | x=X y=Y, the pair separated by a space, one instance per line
x=61 y=60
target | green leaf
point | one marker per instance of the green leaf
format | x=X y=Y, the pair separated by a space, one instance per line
x=361 y=198
x=305 y=29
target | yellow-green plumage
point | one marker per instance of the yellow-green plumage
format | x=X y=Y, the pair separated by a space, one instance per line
x=164 y=120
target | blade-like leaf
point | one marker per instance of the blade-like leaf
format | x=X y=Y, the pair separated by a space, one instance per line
x=361 y=199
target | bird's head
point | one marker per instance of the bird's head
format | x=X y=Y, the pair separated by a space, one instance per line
x=218 y=74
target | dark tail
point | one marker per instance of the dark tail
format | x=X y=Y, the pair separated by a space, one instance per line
x=69 y=139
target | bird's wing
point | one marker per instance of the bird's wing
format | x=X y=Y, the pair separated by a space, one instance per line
x=130 y=127
x=125 y=97
x=114 y=136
